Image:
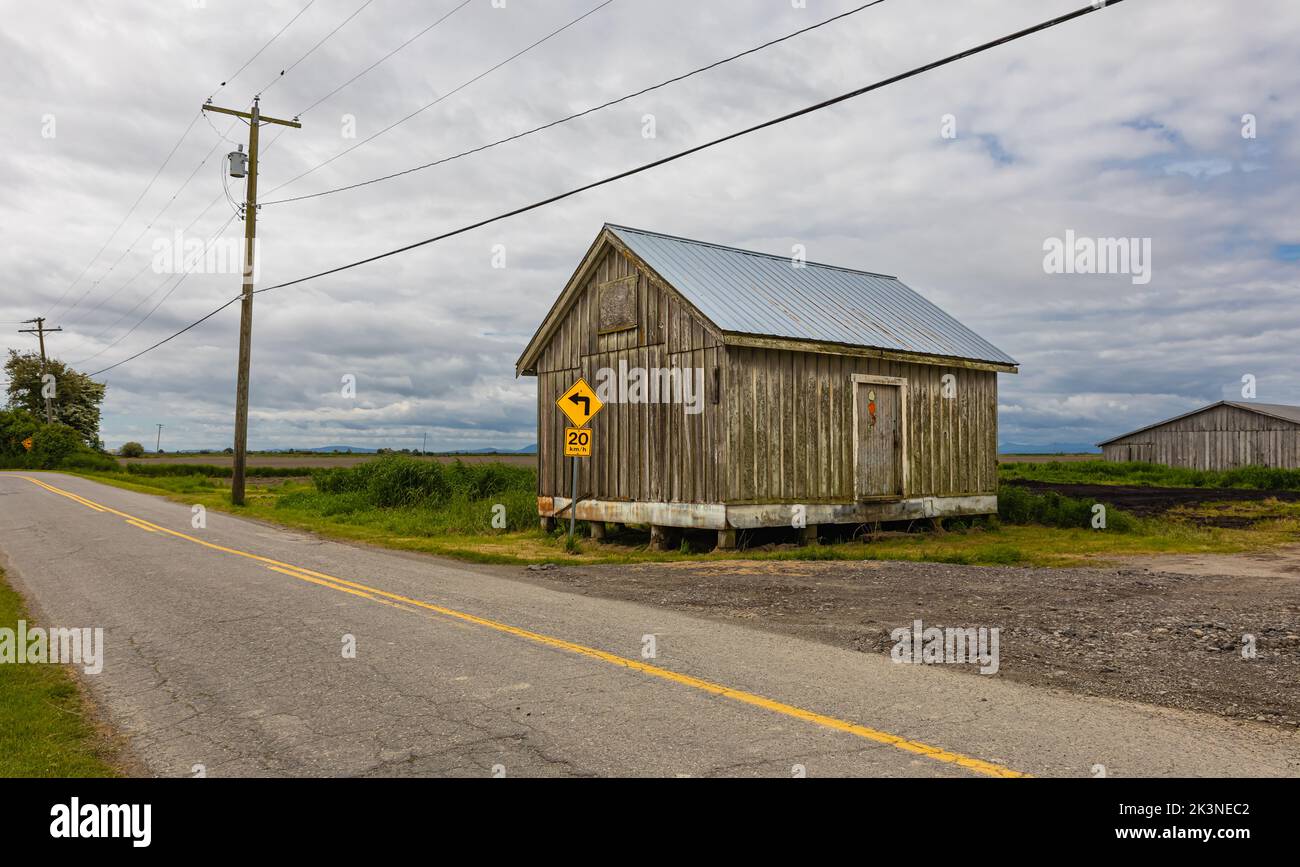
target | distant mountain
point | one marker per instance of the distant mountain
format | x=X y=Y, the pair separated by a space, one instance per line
x=526 y=450
x=1048 y=448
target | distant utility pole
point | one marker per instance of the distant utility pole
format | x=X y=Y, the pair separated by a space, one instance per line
x=40 y=331
x=255 y=119
x=158 y=445
x=424 y=446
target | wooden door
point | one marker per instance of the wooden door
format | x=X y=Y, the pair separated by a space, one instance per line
x=879 y=445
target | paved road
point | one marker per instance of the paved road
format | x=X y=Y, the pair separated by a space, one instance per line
x=224 y=648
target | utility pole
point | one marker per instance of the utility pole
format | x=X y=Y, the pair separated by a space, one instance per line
x=424 y=446
x=255 y=119
x=158 y=445
x=40 y=331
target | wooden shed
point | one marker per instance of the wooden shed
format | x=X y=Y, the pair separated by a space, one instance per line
x=749 y=390
x=1221 y=436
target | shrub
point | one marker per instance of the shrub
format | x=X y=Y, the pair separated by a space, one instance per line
x=131 y=450
x=90 y=461
x=1140 y=473
x=51 y=444
x=1017 y=505
x=394 y=481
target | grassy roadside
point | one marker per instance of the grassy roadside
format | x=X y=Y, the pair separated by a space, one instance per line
x=44 y=729
x=461 y=530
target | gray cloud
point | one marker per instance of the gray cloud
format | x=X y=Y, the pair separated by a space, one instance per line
x=1125 y=123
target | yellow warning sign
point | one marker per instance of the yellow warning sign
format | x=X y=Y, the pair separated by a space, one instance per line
x=579 y=403
x=27 y=444
x=577 y=442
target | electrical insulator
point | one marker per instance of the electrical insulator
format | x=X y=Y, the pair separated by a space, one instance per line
x=238 y=163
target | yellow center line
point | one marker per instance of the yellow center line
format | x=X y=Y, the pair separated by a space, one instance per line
x=398 y=601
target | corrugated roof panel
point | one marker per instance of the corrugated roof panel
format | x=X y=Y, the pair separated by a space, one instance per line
x=1278 y=410
x=757 y=293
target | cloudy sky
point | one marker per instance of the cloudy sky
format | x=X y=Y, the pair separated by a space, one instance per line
x=1129 y=123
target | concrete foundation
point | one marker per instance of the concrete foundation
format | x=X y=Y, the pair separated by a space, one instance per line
x=721 y=516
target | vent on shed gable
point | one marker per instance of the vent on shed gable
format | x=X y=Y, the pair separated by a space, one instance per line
x=617 y=304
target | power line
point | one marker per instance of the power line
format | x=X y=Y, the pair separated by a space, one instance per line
x=140 y=236
x=579 y=114
x=263 y=48
x=168 y=339
x=885 y=82
x=137 y=274
x=181 y=279
x=326 y=38
x=167 y=160
x=462 y=5
x=452 y=92
x=130 y=211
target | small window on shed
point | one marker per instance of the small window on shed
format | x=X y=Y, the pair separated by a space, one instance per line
x=618 y=305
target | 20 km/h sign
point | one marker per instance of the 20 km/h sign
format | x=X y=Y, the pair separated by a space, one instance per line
x=577 y=442
x=579 y=403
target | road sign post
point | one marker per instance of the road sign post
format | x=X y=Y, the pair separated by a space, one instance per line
x=573 y=501
x=580 y=404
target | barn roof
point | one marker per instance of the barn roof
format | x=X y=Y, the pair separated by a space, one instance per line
x=745 y=293
x=1281 y=411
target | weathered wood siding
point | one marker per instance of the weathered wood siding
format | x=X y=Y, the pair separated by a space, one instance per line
x=1220 y=438
x=643 y=452
x=790 y=427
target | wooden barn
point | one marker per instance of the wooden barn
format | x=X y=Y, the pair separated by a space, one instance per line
x=1221 y=436
x=749 y=390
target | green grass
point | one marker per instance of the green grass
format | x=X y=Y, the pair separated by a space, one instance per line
x=43 y=728
x=1157 y=475
x=449 y=510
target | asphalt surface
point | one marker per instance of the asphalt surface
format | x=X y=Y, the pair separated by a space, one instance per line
x=221 y=651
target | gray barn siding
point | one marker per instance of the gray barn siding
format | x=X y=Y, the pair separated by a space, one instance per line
x=1220 y=438
x=790 y=426
x=643 y=452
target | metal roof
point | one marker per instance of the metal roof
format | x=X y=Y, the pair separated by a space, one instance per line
x=1281 y=411
x=745 y=292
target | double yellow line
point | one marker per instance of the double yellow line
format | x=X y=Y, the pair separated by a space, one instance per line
x=395 y=600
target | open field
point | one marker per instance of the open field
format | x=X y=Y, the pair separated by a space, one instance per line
x=1046 y=459
x=294 y=461
x=1216 y=507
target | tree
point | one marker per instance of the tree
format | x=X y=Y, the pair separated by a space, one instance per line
x=76 y=397
x=131 y=450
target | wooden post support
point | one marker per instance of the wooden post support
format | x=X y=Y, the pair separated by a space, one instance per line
x=597 y=530
x=658 y=538
x=548 y=524
x=726 y=540
x=808 y=535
